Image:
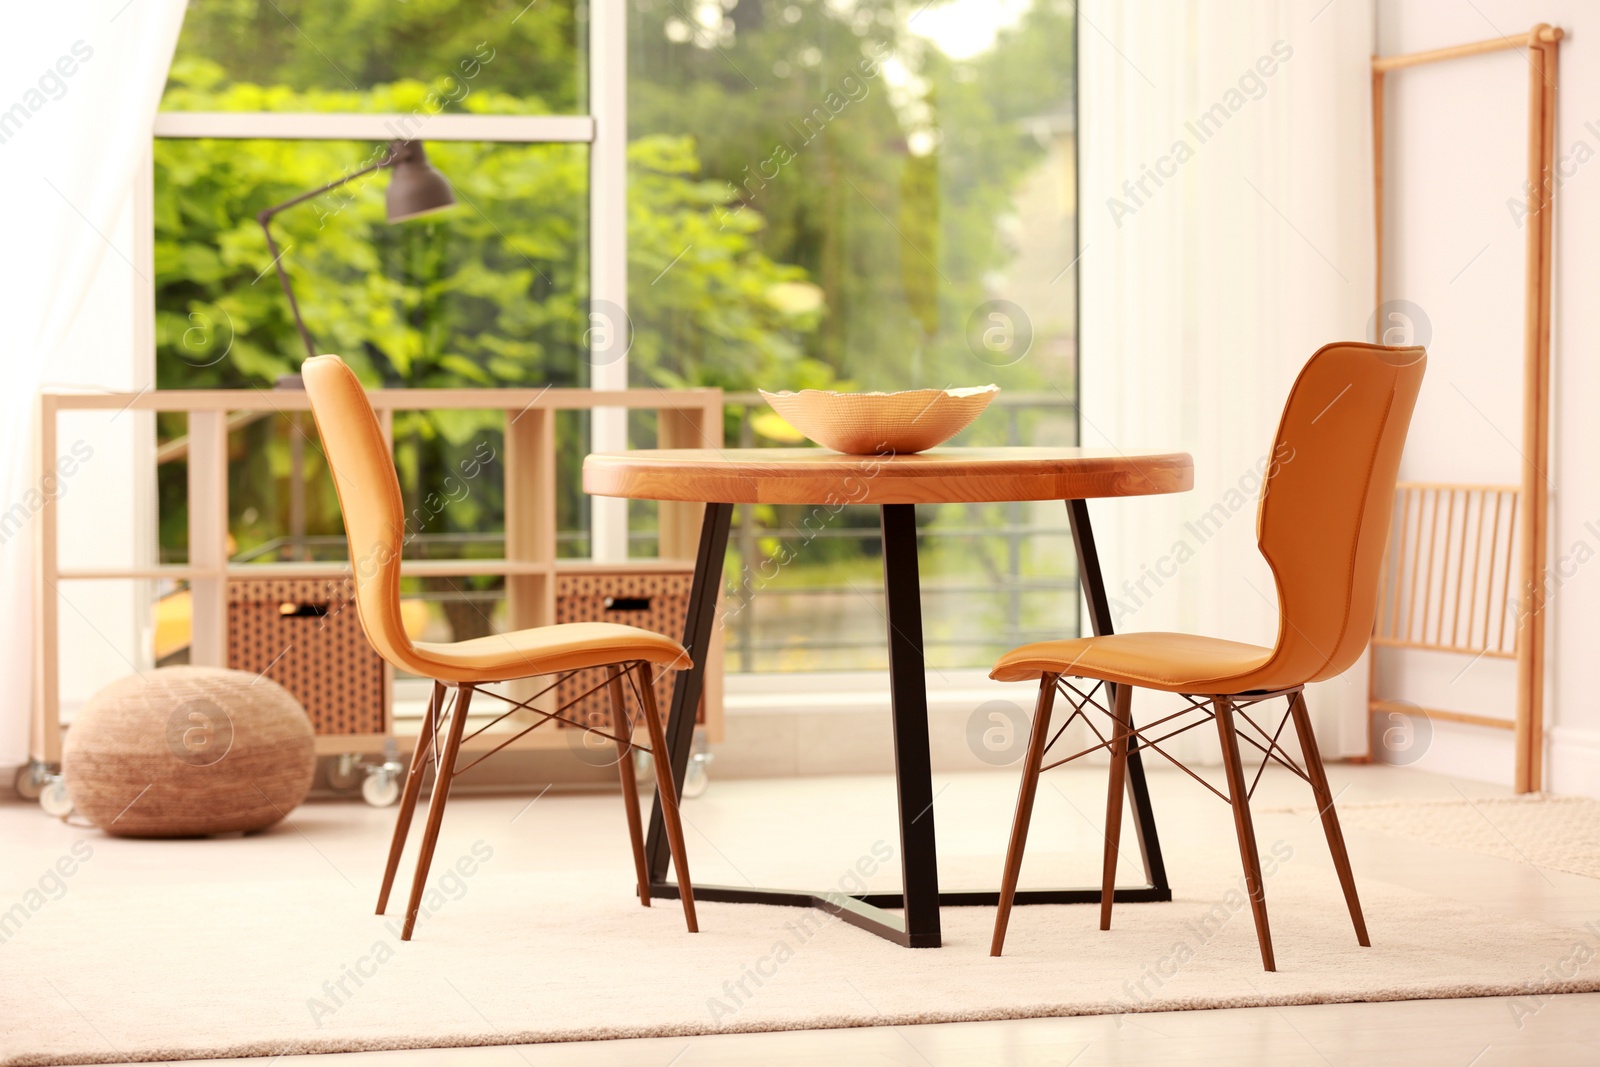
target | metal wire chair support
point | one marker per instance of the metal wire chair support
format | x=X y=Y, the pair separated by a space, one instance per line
x=544 y=717
x=1139 y=737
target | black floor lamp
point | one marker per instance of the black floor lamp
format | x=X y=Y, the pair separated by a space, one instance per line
x=415 y=189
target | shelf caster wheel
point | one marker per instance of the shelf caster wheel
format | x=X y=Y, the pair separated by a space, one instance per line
x=31 y=779
x=345 y=773
x=697 y=779
x=381 y=788
x=54 y=799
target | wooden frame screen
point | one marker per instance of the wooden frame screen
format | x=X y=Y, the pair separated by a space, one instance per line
x=1531 y=501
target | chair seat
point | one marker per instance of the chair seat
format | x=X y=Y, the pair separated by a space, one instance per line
x=566 y=646
x=1176 y=663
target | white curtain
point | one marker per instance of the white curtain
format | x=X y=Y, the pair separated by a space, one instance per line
x=77 y=104
x=1226 y=233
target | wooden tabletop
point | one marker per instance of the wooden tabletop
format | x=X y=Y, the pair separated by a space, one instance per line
x=940 y=475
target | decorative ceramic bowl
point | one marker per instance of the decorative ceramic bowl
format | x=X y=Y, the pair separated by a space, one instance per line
x=868 y=424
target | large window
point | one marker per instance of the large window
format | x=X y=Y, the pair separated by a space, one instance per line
x=896 y=184
x=837 y=193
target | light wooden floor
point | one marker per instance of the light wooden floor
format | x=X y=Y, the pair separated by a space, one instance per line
x=738 y=819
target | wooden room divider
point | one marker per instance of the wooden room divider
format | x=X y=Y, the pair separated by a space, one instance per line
x=1423 y=607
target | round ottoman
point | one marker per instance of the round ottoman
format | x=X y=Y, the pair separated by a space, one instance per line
x=188 y=751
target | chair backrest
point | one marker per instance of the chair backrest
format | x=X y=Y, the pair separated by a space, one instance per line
x=1327 y=501
x=369 y=497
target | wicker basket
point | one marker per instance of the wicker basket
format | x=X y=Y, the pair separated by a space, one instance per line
x=651 y=600
x=305 y=635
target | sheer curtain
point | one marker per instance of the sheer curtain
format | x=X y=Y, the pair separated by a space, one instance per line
x=1226 y=234
x=77 y=104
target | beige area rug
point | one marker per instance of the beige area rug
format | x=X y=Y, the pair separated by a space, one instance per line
x=235 y=969
x=1557 y=833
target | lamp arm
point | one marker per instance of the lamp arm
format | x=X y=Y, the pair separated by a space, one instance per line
x=265 y=217
x=283 y=279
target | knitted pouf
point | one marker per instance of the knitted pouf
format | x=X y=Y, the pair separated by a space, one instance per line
x=188 y=751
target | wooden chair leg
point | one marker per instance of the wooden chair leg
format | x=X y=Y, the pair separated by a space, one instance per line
x=1037 y=736
x=667 y=790
x=1238 y=793
x=436 y=802
x=622 y=726
x=1330 y=818
x=408 y=799
x=1121 y=738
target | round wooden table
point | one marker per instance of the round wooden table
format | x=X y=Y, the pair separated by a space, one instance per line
x=938 y=476
x=721 y=478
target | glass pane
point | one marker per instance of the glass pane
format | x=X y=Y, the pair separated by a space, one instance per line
x=572 y=503
x=870 y=195
x=452 y=609
x=282 y=506
x=490 y=292
x=172 y=487
x=281 y=502
x=509 y=57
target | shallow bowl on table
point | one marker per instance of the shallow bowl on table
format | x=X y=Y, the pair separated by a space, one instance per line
x=867 y=424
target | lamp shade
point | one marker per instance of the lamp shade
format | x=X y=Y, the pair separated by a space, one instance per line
x=415 y=187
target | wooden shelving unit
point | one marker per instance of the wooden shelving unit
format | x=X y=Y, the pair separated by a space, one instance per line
x=686 y=418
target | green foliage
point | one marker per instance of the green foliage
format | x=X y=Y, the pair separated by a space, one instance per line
x=490 y=293
x=707 y=297
x=303 y=45
x=880 y=166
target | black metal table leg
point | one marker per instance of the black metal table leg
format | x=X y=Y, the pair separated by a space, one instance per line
x=908 y=697
x=1100 y=622
x=698 y=625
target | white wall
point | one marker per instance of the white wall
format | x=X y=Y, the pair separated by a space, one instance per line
x=1456 y=145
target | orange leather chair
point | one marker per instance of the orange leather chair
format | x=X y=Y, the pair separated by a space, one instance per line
x=1323 y=525
x=374 y=519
